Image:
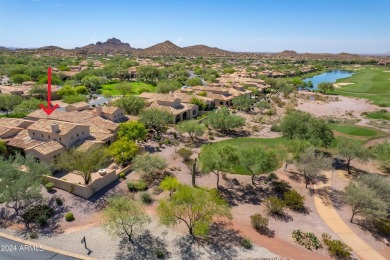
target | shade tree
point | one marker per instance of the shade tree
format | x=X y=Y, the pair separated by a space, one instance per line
x=217 y=159
x=125 y=217
x=195 y=207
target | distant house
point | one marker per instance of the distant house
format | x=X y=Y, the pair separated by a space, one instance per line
x=172 y=104
x=80 y=106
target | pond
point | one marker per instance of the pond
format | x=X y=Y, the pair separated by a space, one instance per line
x=330 y=76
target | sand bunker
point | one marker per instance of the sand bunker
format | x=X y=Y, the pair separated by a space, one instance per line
x=337 y=85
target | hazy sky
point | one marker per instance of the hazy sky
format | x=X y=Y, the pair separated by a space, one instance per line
x=242 y=25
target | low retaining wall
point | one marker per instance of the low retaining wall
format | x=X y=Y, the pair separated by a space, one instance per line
x=84 y=191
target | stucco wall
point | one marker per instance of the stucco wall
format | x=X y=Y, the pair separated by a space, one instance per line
x=84 y=191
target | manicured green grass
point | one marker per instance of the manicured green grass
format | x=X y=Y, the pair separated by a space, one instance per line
x=277 y=144
x=371 y=83
x=136 y=88
x=381 y=114
x=354 y=130
x=361 y=133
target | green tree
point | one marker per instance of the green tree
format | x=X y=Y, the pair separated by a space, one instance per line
x=364 y=201
x=325 y=87
x=67 y=91
x=311 y=163
x=93 y=83
x=28 y=106
x=20 y=78
x=131 y=104
x=150 y=166
x=20 y=181
x=350 y=149
x=123 y=88
x=125 y=217
x=200 y=103
x=9 y=102
x=3 y=148
x=257 y=160
x=263 y=104
x=194 y=207
x=74 y=99
x=81 y=90
x=170 y=184
x=300 y=125
x=192 y=128
x=156 y=119
x=243 y=102
x=123 y=150
x=217 y=159
x=194 y=82
x=132 y=130
x=54 y=80
x=382 y=154
x=378 y=183
x=295 y=148
x=83 y=163
x=148 y=73
x=224 y=121
x=39 y=92
x=168 y=85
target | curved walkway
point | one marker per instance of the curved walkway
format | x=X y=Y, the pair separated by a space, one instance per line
x=330 y=216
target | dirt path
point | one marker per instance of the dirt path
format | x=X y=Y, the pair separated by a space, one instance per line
x=330 y=216
x=376 y=141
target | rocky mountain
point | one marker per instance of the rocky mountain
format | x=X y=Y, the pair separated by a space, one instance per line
x=166 y=48
x=111 y=45
x=203 y=50
x=4 y=48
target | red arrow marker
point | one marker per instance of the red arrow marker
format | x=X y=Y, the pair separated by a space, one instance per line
x=49 y=109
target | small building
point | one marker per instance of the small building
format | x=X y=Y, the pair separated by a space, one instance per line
x=79 y=106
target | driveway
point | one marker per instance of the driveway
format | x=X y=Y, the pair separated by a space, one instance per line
x=11 y=250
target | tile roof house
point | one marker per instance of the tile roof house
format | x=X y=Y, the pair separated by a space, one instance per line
x=46 y=136
x=172 y=104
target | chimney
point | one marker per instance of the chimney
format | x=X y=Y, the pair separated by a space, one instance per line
x=99 y=110
x=55 y=128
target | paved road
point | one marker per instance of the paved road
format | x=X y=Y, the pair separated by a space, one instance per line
x=11 y=250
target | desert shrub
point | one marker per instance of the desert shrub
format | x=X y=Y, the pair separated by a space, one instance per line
x=275 y=205
x=49 y=186
x=69 y=216
x=308 y=240
x=246 y=243
x=336 y=248
x=275 y=128
x=272 y=177
x=294 y=200
x=38 y=214
x=33 y=235
x=185 y=153
x=382 y=226
x=157 y=190
x=135 y=186
x=122 y=175
x=280 y=187
x=59 y=201
x=146 y=198
x=259 y=223
x=160 y=253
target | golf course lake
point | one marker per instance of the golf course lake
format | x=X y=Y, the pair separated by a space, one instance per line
x=330 y=76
